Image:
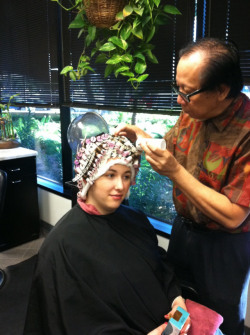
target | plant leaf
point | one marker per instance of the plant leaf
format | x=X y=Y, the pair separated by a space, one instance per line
x=121 y=69
x=89 y=68
x=80 y=33
x=66 y=69
x=138 y=11
x=151 y=57
x=139 y=55
x=157 y=2
x=151 y=34
x=108 y=70
x=115 y=26
x=119 y=42
x=127 y=10
x=127 y=58
x=72 y=75
x=142 y=77
x=88 y=40
x=92 y=32
x=78 y=22
x=126 y=31
x=145 y=20
x=119 y=16
x=140 y=67
x=114 y=59
x=136 y=22
x=98 y=44
x=107 y=47
x=84 y=58
x=82 y=65
x=127 y=74
x=138 y=32
x=101 y=58
x=132 y=79
x=93 y=52
x=171 y=10
x=162 y=19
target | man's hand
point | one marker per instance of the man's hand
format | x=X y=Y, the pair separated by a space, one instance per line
x=130 y=131
x=210 y=202
x=162 y=161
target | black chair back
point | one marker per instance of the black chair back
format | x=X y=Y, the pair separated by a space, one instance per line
x=3 y=187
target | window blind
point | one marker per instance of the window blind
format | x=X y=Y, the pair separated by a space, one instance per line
x=28 y=57
x=229 y=20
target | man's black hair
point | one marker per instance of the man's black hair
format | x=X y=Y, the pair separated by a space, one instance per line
x=221 y=64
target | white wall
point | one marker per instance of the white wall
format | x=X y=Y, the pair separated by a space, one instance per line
x=52 y=207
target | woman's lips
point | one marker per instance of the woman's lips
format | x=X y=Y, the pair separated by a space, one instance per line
x=116 y=196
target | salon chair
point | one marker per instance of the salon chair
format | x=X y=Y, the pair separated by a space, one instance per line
x=3 y=186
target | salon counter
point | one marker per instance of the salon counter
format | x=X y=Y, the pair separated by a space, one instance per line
x=20 y=221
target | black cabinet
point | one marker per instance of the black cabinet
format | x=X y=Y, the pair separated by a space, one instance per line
x=20 y=220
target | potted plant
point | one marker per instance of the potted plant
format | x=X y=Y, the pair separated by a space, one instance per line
x=124 y=41
x=8 y=137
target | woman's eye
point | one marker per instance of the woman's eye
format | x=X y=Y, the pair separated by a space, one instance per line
x=127 y=177
x=110 y=175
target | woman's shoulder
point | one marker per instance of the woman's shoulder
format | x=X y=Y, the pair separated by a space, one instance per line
x=73 y=216
x=70 y=222
x=131 y=211
x=134 y=216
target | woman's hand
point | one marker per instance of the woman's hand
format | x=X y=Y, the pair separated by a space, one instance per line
x=130 y=131
x=179 y=302
x=158 y=330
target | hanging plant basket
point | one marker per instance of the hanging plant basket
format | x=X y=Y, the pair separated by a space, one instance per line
x=118 y=33
x=102 y=13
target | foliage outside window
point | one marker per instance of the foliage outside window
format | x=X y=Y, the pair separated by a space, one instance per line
x=40 y=130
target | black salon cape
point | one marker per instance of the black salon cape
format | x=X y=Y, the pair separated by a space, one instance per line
x=100 y=275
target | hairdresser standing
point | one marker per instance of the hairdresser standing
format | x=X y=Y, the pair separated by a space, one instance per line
x=208 y=160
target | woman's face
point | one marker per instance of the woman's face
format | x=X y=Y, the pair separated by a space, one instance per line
x=109 y=190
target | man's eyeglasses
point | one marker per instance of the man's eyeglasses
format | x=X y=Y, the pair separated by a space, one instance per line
x=184 y=96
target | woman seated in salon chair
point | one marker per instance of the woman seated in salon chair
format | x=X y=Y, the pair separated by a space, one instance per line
x=100 y=270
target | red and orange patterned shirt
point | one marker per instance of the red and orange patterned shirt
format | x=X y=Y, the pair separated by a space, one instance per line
x=217 y=153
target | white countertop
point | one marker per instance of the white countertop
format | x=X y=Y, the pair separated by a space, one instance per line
x=19 y=152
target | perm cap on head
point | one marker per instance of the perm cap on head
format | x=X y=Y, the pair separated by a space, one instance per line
x=97 y=154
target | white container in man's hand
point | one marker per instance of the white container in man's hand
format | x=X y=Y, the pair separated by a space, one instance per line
x=154 y=142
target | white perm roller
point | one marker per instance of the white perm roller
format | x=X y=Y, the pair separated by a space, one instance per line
x=155 y=142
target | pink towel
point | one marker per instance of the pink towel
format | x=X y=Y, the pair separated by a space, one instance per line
x=204 y=321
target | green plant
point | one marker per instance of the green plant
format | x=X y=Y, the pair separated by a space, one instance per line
x=26 y=127
x=7 y=129
x=125 y=47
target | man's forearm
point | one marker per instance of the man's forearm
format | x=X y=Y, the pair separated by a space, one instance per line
x=210 y=202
